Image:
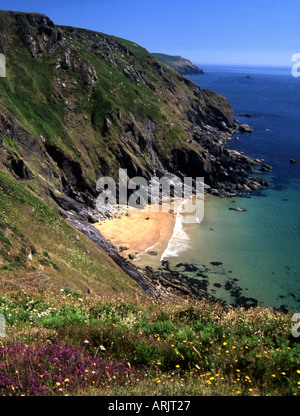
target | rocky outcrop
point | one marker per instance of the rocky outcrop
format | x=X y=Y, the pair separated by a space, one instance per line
x=245 y=128
x=181 y=65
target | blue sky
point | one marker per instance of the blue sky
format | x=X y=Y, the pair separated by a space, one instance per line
x=243 y=32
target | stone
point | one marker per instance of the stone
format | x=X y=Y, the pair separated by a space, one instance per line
x=245 y=128
x=265 y=168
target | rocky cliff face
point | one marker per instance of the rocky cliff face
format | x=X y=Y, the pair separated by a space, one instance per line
x=77 y=104
x=181 y=65
x=85 y=104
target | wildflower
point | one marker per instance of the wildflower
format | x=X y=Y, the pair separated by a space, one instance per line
x=298 y=371
x=224 y=343
x=177 y=366
x=86 y=341
x=58 y=383
x=283 y=373
x=273 y=375
x=102 y=348
x=66 y=380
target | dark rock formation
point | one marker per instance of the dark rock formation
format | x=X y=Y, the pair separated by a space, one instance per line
x=245 y=128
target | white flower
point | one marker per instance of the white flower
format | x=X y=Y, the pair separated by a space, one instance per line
x=102 y=348
x=86 y=341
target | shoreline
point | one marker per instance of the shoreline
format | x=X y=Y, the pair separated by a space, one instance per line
x=139 y=232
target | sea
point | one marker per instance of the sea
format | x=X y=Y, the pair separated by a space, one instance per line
x=251 y=257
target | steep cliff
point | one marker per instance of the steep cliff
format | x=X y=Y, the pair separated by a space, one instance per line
x=76 y=105
x=181 y=65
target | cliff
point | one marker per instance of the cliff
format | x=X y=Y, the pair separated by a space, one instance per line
x=76 y=105
x=181 y=65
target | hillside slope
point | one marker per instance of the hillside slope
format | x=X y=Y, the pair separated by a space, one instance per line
x=76 y=105
x=181 y=65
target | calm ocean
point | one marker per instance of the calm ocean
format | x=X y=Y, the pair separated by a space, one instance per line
x=254 y=255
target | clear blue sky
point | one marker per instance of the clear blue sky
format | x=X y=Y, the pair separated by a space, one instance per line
x=258 y=32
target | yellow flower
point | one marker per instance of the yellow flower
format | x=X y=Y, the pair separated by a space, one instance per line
x=224 y=343
x=298 y=371
x=283 y=373
x=273 y=375
x=177 y=366
x=58 y=383
x=66 y=380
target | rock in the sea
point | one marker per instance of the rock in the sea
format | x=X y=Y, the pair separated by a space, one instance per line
x=245 y=128
x=293 y=160
x=265 y=168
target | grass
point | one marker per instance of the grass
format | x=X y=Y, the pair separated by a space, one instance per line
x=146 y=348
x=30 y=227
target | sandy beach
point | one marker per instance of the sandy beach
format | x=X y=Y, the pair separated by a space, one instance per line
x=141 y=231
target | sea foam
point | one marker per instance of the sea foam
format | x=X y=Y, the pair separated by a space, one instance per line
x=179 y=240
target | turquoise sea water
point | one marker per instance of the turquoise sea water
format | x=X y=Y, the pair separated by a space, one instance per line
x=254 y=255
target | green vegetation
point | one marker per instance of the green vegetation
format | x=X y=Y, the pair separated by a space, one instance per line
x=28 y=227
x=181 y=65
x=76 y=324
x=179 y=349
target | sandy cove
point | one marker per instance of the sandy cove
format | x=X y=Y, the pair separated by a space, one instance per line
x=140 y=231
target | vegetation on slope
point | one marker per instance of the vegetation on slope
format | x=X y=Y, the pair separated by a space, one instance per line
x=76 y=105
x=40 y=249
x=181 y=65
x=66 y=344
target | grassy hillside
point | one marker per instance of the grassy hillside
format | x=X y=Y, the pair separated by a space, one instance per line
x=181 y=65
x=68 y=345
x=41 y=250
